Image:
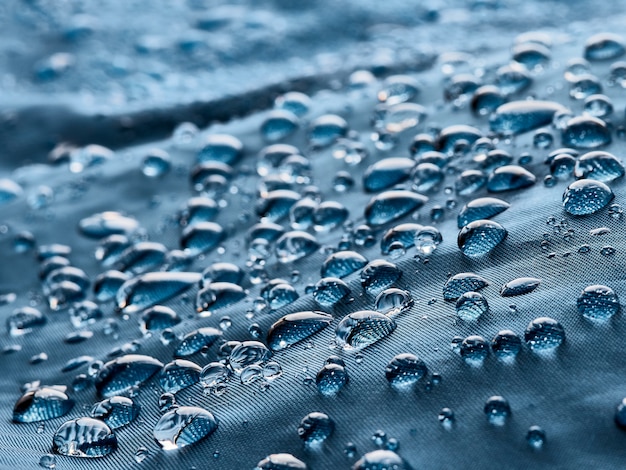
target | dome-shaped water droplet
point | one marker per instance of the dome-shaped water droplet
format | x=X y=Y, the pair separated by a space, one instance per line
x=471 y=305
x=598 y=302
x=196 y=340
x=486 y=100
x=84 y=437
x=327 y=129
x=342 y=264
x=142 y=257
x=405 y=370
x=509 y=177
x=480 y=237
x=599 y=166
x=427 y=239
x=544 y=334
x=116 y=411
x=9 y=190
x=295 y=327
x=391 y=205
x=506 y=345
x=329 y=215
x=248 y=353
x=329 y=291
x=599 y=106
x=536 y=437
x=214 y=374
x=331 y=379
x=460 y=283
x=386 y=173
x=218 y=295
x=381 y=459
x=41 y=404
x=159 y=317
x=179 y=374
x=481 y=208
x=379 y=274
x=393 y=301
x=156 y=163
x=358 y=330
x=513 y=78
x=585 y=197
x=279 y=124
x=402 y=235
x=398 y=89
x=604 y=46
x=183 y=426
x=280 y=462
x=23 y=320
x=586 y=132
x=474 y=350
x=221 y=148
x=518 y=117
x=497 y=410
x=124 y=373
x=295 y=245
x=315 y=428
x=150 y=289
x=108 y=223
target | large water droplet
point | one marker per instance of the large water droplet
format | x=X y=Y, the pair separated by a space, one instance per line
x=585 y=197
x=386 y=173
x=84 y=437
x=218 y=295
x=221 y=148
x=159 y=317
x=183 y=426
x=481 y=208
x=474 y=349
x=405 y=370
x=598 y=302
x=331 y=379
x=179 y=374
x=391 y=205
x=195 y=340
x=460 y=283
x=506 y=345
x=471 y=305
x=378 y=275
x=248 y=353
x=480 y=237
x=544 y=334
x=586 y=132
x=604 y=46
x=124 y=373
x=103 y=224
x=150 y=289
x=295 y=245
x=361 y=329
x=23 y=320
x=295 y=327
x=394 y=301
x=329 y=291
x=41 y=404
x=599 y=166
x=510 y=177
x=342 y=264
x=116 y=411
x=517 y=117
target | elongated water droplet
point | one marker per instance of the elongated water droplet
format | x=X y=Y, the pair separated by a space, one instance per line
x=295 y=327
x=518 y=117
x=150 y=289
x=41 y=404
x=122 y=374
x=519 y=286
x=195 y=340
x=386 y=173
x=586 y=132
x=510 y=177
x=381 y=459
x=342 y=264
x=460 y=283
x=471 y=305
x=280 y=462
x=116 y=411
x=599 y=166
x=481 y=208
x=391 y=205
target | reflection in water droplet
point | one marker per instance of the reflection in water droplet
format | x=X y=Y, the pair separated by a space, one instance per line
x=519 y=286
x=460 y=283
x=296 y=327
x=378 y=275
x=41 y=404
x=115 y=411
x=381 y=459
x=124 y=373
x=361 y=329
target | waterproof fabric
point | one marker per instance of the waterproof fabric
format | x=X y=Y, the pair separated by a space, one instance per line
x=571 y=395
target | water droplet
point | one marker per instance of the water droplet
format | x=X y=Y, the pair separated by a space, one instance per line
x=179 y=374
x=23 y=320
x=202 y=237
x=506 y=345
x=480 y=237
x=604 y=46
x=460 y=283
x=196 y=340
x=405 y=370
x=159 y=317
x=599 y=166
x=544 y=334
x=513 y=78
x=381 y=459
x=295 y=102
x=392 y=205
x=519 y=286
x=386 y=173
x=295 y=245
x=471 y=305
x=585 y=197
x=518 y=117
x=141 y=454
x=221 y=148
x=108 y=223
x=124 y=373
x=474 y=350
x=183 y=426
x=280 y=462
x=481 y=208
x=326 y=129
x=329 y=291
x=498 y=410
x=536 y=437
x=248 y=353
x=279 y=124
x=214 y=374
x=116 y=411
x=331 y=379
x=427 y=239
x=48 y=461
x=296 y=327
x=150 y=289
x=342 y=264
x=156 y=163
x=378 y=275
x=394 y=301
x=315 y=428
x=42 y=403
x=508 y=178
x=358 y=330
x=446 y=418
x=598 y=302
x=586 y=132
x=84 y=437
x=218 y=295
x=398 y=89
